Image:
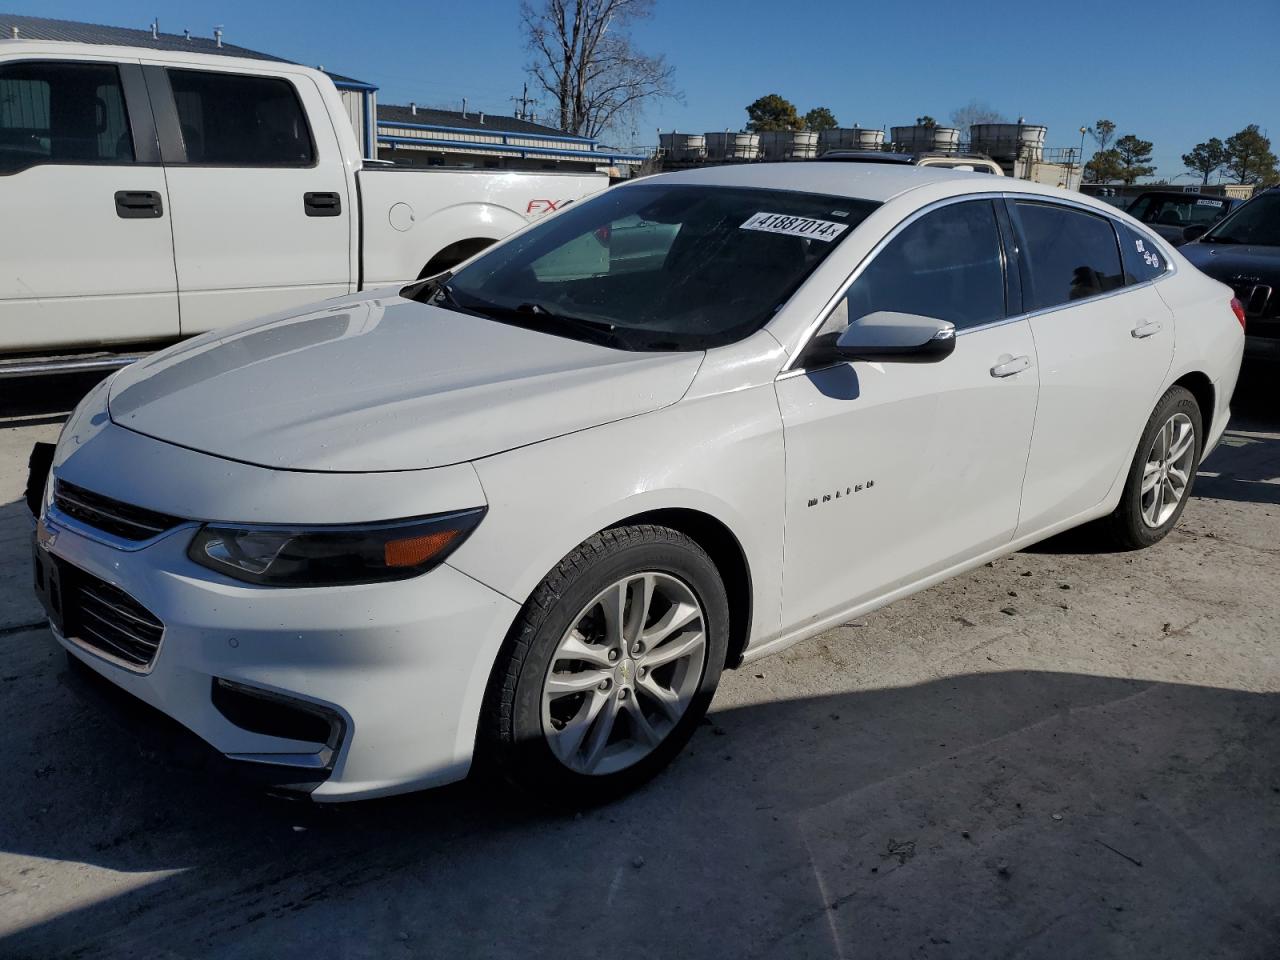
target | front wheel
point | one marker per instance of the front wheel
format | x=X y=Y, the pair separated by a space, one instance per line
x=610 y=667
x=1162 y=473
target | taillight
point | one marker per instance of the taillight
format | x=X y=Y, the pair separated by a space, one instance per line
x=1238 y=309
x=604 y=234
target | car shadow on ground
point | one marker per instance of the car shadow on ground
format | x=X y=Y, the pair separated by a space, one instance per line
x=1012 y=813
x=32 y=401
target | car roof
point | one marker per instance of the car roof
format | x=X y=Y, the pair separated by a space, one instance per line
x=877 y=182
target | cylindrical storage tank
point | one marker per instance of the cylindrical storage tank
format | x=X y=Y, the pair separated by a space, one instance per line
x=1008 y=141
x=946 y=139
x=683 y=146
x=851 y=138
x=733 y=146
x=789 y=144
x=918 y=139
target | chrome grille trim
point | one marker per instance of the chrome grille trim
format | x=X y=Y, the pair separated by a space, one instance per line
x=107 y=621
x=109 y=515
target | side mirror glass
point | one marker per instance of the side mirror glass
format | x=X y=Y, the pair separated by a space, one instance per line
x=897 y=338
x=1194 y=232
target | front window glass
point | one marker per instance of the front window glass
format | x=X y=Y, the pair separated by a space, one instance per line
x=1256 y=222
x=62 y=113
x=1073 y=255
x=946 y=265
x=658 y=266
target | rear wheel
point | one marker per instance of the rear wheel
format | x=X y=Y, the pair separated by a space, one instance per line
x=1162 y=473
x=611 y=666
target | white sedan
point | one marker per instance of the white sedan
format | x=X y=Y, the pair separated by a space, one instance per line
x=523 y=515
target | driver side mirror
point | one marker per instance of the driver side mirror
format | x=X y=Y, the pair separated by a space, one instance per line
x=1194 y=232
x=887 y=337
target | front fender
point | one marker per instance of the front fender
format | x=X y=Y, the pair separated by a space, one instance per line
x=547 y=498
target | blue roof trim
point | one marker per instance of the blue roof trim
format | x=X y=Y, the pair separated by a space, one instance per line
x=352 y=85
x=465 y=145
x=495 y=133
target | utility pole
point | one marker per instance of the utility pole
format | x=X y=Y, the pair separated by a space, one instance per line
x=524 y=100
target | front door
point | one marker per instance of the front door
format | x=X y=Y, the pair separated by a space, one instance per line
x=86 y=253
x=899 y=470
x=261 y=214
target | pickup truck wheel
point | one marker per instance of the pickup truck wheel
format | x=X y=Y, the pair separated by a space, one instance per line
x=1162 y=473
x=454 y=254
x=610 y=667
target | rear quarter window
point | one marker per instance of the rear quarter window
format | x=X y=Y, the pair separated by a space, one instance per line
x=1143 y=258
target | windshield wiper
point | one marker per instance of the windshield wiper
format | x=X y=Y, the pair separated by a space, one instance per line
x=1211 y=239
x=598 y=331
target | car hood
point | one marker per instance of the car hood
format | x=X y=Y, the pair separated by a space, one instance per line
x=374 y=383
x=1236 y=264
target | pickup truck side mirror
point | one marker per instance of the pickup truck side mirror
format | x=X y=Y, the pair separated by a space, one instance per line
x=1194 y=232
x=886 y=337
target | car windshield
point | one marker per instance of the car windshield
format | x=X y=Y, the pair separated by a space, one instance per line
x=1256 y=222
x=656 y=266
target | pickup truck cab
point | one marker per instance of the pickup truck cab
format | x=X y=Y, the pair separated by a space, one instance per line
x=151 y=195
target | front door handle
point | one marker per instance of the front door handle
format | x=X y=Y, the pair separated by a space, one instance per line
x=322 y=204
x=1008 y=366
x=138 y=204
x=1146 y=328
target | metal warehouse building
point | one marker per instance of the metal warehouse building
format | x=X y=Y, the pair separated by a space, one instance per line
x=412 y=136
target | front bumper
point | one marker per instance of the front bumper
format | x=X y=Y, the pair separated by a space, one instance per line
x=402 y=666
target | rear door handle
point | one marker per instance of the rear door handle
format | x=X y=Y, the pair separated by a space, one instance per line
x=322 y=204
x=138 y=204
x=1146 y=328
x=1008 y=366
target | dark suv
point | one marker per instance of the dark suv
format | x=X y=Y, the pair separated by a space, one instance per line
x=1243 y=250
x=1179 y=216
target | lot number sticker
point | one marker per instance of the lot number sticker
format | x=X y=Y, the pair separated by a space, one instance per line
x=1208 y=203
x=825 y=230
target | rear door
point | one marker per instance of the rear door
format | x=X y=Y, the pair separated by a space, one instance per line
x=1104 y=347
x=86 y=253
x=261 y=213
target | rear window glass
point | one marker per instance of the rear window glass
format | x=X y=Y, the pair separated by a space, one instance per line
x=659 y=267
x=1072 y=255
x=229 y=118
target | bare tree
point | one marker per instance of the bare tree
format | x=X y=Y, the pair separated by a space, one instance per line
x=975 y=111
x=583 y=58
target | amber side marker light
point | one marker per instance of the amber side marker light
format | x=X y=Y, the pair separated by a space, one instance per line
x=412 y=551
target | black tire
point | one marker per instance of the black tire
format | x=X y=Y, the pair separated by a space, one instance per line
x=512 y=742
x=1126 y=527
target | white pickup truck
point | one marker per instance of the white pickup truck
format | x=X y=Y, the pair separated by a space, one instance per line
x=146 y=196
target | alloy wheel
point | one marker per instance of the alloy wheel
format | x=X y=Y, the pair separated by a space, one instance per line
x=1167 y=473
x=624 y=673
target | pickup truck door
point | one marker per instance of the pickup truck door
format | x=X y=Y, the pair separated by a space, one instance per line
x=86 y=253
x=262 y=214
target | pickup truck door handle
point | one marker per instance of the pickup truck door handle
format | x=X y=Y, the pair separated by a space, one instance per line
x=322 y=204
x=138 y=204
x=1146 y=328
x=1008 y=366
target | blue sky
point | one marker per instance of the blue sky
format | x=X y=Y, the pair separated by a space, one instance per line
x=1168 y=72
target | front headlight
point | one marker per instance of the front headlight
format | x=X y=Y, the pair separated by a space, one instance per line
x=282 y=556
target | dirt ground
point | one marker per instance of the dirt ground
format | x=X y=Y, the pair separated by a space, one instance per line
x=1064 y=754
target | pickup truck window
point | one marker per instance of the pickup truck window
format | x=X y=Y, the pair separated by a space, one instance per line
x=649 y=267
x=232 y=119
x=61 y=112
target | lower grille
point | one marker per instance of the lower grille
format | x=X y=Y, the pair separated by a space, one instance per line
x=106 y=618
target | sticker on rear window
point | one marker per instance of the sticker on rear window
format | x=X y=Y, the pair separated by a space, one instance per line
x=1208 y=203
x=825 y=230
